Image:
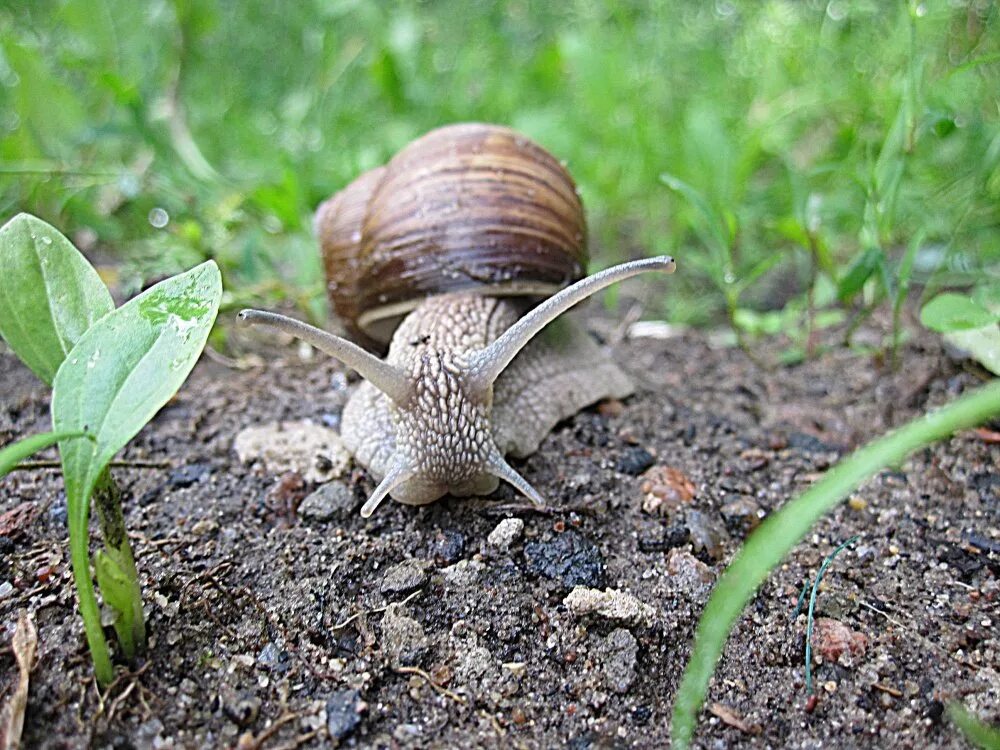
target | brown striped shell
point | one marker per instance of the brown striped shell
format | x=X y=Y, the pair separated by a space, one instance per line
x=465 y=207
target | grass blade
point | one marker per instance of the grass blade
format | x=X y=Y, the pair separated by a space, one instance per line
x=11 y=455
x=778 y=534
x=977 y=732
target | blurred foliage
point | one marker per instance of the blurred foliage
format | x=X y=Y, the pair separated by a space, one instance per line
x=765 y=144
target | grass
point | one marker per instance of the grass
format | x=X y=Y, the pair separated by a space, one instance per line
x=814 y=132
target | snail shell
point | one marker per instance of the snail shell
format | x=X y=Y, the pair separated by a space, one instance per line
x=467 y=207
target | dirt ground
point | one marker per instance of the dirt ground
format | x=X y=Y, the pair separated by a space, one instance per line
x=278 y=618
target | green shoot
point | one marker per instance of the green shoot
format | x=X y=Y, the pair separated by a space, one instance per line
x=977 y=732
x=812 y=608
x=779 y=533
x=111 y=371
x=11 y=455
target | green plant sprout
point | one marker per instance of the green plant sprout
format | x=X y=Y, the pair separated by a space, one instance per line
x=810 y=619
x=111 y=371
x=978 y=733
x=765 y=548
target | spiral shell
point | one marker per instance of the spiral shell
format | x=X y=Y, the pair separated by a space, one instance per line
x=467 y=207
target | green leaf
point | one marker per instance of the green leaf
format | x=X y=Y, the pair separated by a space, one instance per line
x=119 y=374
x=977 y=732
x=866 y=263
x=50 y=294
x=983 y=344
x=765 y=548
x=955 y=312
x=11 y=455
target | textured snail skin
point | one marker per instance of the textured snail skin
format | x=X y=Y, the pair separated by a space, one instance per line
x=468 y=380
x=454 y=434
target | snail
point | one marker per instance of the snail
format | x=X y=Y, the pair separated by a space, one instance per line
x=442 y=253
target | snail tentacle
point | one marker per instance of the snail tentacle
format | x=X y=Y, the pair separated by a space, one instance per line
x=398 y=474
x=392 y=381
x=500 y=468
x=491 y=361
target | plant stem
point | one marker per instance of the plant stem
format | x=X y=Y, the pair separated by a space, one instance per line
x=778 y=534
x=129 y=625
x=89 y=611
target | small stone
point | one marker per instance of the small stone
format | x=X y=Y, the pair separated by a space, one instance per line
x=463 y=573
x=856 y=502
x=447 y=547
x=707 y=536
x=569 y=558
x=405 y=576
x=242 y=711
x=204 y=527
x=832 y=639
x=273 y=658
x=505 y=533
x=741 y=515
x=185 y=476
x=6 y=589
x=634 y=461
x=334 y=500
x=610 y=603
x=403 y=638
x=810 y=444
x=688 y=571
x=617 y=655
x=665 y=490
x=311 y=450
x=343 y=713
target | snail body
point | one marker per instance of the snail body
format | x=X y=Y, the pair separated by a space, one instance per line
x=442 y=253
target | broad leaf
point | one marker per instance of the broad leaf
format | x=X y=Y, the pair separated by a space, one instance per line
x=11 y=455
x=982 y=344
x=49 y=296
x=955 y=312
x=125 y=368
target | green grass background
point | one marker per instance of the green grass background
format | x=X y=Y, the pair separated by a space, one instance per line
x=797 y=134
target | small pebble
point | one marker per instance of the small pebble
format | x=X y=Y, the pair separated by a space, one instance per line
x=447 y=547
x=634 y=461
x=665 y=490
x=334 y=500
x=6 y=589
x=185 y=476
x=343 y=713
x=832 y=639
x=741 y=515
x=707 y=536
x=688 y=572
x=610 y=603
x=463 y=573
x=856 y=502
x=506 y=532
x=569 y=558
x=403 y=638
x=405 y=576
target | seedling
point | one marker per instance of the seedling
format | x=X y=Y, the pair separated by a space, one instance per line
x=111 y=370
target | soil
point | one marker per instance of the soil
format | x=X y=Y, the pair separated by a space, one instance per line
x=281 y=620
